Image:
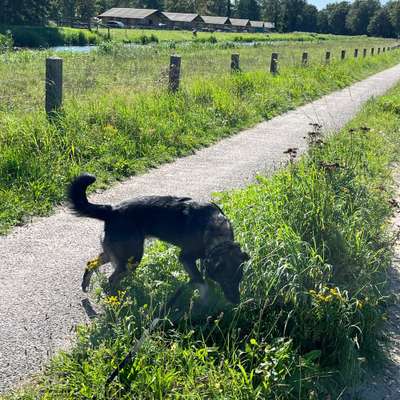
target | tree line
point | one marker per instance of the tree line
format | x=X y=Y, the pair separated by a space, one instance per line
x=357 y=18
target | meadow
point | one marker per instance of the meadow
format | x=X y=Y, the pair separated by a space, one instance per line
x=119 y=118
x=35 y=37
x=313 y=293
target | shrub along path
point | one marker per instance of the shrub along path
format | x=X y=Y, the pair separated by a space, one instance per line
x=42 y=263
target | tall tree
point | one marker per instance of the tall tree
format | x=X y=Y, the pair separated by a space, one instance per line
x=185 y=6
x=309 y=22
x=394 y=14
x=337 y=14
x=249 y=9
x=26 y=12
x=380 y=24
x=271 y=11
x=86 y=9
x=218 y=7
x=322 y=21
x=293 y=14
x=360 y=14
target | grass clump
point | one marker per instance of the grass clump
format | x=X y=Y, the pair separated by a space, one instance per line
x=119 y=133
x=313 y=293
x=40 y=36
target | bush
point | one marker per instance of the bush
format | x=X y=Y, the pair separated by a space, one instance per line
x=6 y=42
x=34 y=37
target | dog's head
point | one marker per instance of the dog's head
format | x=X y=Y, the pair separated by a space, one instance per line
x=225 y=266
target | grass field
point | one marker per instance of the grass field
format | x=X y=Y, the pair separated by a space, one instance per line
x=313 y=294
x=119 y=119
x=34 y=37
x=137 y=35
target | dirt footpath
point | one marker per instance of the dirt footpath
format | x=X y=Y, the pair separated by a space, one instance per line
x=42 y=263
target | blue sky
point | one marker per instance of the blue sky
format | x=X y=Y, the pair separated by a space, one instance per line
x=319 y=3
x=322 y=3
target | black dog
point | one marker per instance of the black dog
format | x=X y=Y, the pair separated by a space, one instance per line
x=201 y=230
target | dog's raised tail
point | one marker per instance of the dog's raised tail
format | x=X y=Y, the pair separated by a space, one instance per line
x=79 y=202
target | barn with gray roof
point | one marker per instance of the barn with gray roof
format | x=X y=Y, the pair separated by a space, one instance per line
x=183 y=20
x=134 y=17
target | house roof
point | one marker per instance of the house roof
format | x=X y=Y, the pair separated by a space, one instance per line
x=257 y=24
x=211 y=19
x=136 y=13
x=239 y=22
x=269 y=25
x=181 y=17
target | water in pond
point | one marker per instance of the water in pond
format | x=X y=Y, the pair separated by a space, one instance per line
x=74 y=49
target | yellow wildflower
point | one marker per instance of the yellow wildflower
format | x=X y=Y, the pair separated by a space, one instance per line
x=112 y=301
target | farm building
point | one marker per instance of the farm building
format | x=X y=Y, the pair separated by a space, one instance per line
x=150 y=18
x=183 y=20
x=134 y=17
x=269 y=26
x=239 y=24
x=257 y=26
x=216 y=23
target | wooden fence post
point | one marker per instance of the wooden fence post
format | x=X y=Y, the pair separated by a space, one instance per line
x=364 y=53
x=174 y=73
x=372 y=51
x=355 y=53
x=54 y=84
x=274 y=63
x=235 y=63
x=327 y=57
x=343 y=55
x=304 y=59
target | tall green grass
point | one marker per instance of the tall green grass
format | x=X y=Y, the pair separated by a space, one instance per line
x=313 y=293
x=38 y=36
x=122 y=132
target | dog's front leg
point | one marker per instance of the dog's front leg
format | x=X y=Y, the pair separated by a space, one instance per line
x=189 y=263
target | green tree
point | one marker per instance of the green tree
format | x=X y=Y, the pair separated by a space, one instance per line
x=218 y=7
x=25 y=12
x=271 y=11
x=86 y=9
x=380 y=24
x=309 y=20
x=360 y=14
x=337 y=14
x=292 y=19
x=248 y=9
x=186 y=6
x=322 y=21
x=393 y=8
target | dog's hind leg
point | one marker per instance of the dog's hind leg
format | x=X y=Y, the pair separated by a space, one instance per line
x=91 y=267
x=125 y=256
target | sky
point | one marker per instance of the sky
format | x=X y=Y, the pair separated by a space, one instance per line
x=322 y=3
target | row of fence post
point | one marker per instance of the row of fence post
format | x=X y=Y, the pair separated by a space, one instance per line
x=54 y=73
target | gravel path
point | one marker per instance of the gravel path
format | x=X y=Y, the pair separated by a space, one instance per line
x=42 y=263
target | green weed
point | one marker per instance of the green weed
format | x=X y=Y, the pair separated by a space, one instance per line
x=313 y=293
x=117 y=121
